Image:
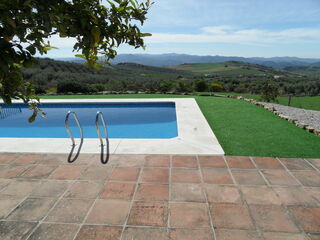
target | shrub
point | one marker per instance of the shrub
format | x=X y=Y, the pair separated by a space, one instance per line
x=74 y=87
x=216 y=87
x=269 y=91
x=200 y=85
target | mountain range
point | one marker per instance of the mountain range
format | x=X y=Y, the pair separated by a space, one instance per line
x=173 y=59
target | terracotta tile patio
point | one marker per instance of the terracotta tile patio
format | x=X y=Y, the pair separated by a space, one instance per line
x=138 y=197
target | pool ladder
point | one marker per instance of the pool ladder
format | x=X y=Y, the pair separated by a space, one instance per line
x=72 y=138
x=99 y=115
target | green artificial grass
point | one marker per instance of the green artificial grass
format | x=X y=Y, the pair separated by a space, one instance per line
x=312 y=103
x=242 y=128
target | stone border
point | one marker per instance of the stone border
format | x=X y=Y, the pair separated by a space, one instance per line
x=273 y=110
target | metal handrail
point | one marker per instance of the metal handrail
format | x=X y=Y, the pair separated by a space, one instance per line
x=71 y=136
x=100 y=114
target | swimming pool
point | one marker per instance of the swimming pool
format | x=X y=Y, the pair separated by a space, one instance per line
x=124 y=120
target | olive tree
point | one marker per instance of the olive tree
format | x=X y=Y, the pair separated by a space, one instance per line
x=98 y=27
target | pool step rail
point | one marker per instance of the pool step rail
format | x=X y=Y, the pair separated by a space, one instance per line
x=70 y=159
x=103 y=159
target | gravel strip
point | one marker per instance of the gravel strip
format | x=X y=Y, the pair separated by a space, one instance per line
x=308 y=117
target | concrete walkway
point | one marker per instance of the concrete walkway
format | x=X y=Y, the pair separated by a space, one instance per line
x=136 y=197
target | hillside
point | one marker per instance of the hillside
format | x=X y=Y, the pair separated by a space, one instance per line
x=233 y=76
x=230 y=68
x=311 y=70
x=47 y=73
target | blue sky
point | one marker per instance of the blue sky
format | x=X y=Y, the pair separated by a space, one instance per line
x=248 y=28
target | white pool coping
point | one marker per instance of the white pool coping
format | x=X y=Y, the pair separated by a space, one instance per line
x=194 y=134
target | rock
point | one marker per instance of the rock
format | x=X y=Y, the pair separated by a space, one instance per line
x=301 y=125
x=317 y=132
x=310 y=129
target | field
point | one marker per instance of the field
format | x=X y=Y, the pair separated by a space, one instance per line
x=243 y=129
x=225 y=68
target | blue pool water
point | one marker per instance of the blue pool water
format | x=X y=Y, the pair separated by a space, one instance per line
x=124 y=120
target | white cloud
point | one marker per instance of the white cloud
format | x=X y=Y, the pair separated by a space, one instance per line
x=229 y=34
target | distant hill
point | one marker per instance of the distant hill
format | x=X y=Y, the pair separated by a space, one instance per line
x=172 y=59
x=230 y=68
x=48 y=72
x=233 y=76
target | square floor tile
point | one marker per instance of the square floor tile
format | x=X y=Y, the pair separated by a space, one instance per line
x=182 y=192
x=96 y=232
x=233 y=234
x=185 y=175
x=296 y=164
x=131 y=233
x=148 y=214
x=6 y=158
x=8 y=204
x=314 y=192
x=84 y=190
x=157 y=161
x=272 y=218
x=283 y=236
x=66 y=172
x=54 y=159
x=20 y=188
x=295 y=196
x=27 y=159
x=315 y=163
x=96 y=173
x=118 y=190
x=12 y=230
x=125 y=174
x=13 y=171
x=39 y=171
x=267 y=163
x=32 y=209
x=248 y=177
x=69 y=211
x=212 y=162
x=189 y=215
x=308 y=178
x=307 y=218
x=152 y=192
x=4 y=183
x=109 y=212
x=216 y=175
x=231 y=216
x=184 y=161
x=190 y=234
x=50 y=188
x=239 y=162
x=160 y=175
x=134 y=160
x=260 y=195
x=222 y=194
x=279 y=177
x=55 y=232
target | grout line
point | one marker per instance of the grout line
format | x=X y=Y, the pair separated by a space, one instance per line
x=257 y=229
x=259 y=171
x=132 y=200
x=50 y=210
x=285 y=207
x=289 y=172
x=318 y=170
x=169 y=198
x=206 y=198
x=23 y=199
x=91 y=207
